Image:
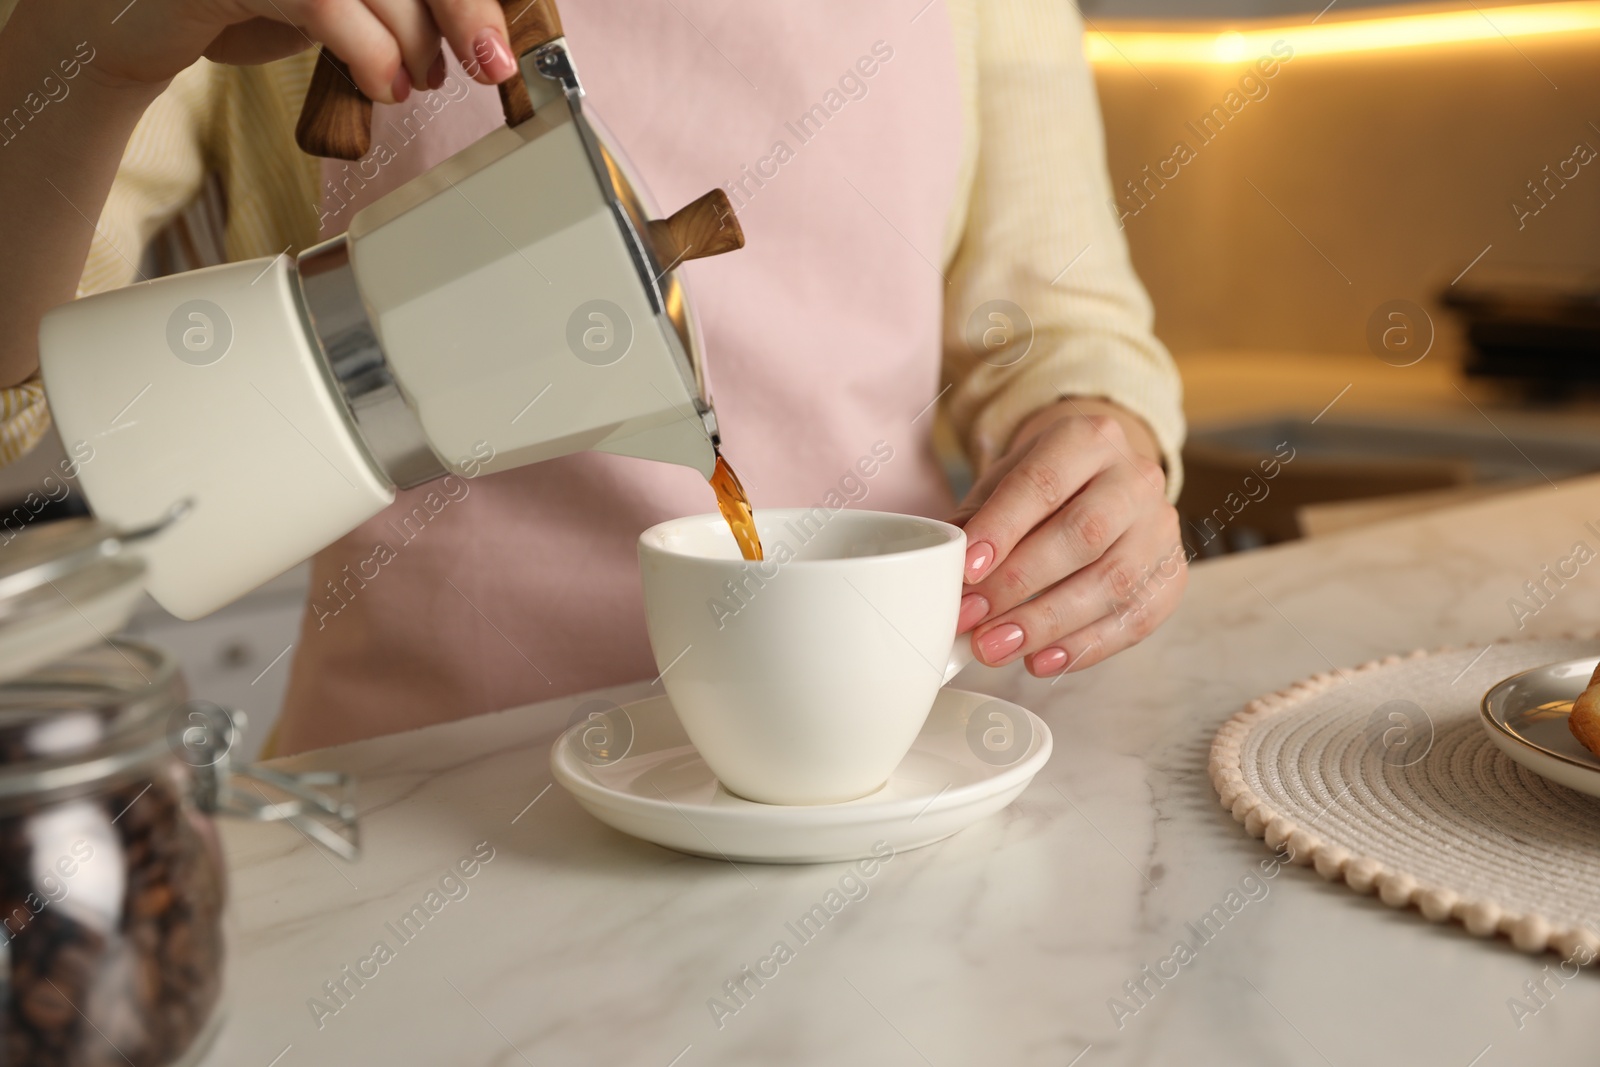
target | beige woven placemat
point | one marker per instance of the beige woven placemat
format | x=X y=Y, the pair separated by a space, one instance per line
x=1382 y=776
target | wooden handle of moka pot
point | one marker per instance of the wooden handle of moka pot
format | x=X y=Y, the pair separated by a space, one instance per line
x=530 y=23
x=706 y=227
x=336 y=119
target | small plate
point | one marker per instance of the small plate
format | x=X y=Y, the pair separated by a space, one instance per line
x=634 y=769
x=1526 y=716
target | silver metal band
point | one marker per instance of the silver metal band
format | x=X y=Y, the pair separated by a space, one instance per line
x=387 y=425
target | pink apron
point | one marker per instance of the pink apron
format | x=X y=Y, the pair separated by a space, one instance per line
x=836 y=130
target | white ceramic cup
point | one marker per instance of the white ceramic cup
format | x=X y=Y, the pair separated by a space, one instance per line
x=804 y=679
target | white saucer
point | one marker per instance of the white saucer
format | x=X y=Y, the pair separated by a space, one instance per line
x=1526 y=716
x=634 y=769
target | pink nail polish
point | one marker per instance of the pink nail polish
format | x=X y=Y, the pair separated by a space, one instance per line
x=1049 y=661
x=436 y=72
x=493 y=56
x=400 y=88
x=973 y=608
x=979 y=556
x=1000 y=642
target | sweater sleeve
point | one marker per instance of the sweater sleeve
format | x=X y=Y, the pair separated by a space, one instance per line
x=161 y=171
x=1043 y=302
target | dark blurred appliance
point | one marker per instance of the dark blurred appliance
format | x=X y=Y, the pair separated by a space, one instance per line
x=1535 y=328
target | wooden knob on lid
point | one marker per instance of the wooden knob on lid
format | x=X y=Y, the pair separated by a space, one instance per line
x=336 y=119
x=706 y=227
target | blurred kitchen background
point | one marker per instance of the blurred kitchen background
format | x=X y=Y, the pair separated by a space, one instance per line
x=1372 y=236
x=1386 y=253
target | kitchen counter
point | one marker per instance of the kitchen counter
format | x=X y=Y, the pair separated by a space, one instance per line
x=1224 y=387
x=1000 y=946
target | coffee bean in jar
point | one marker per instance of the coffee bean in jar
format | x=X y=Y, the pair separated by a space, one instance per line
x=111 y=878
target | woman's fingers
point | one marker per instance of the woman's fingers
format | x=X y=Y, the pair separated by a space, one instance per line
x=1071 y=539
x=1078 y=521
x=1132 y=621
x=1106 y=606
x=416 y=34
x=984 y=487
x=476 y=30
x=353 y=32
x=391 y=45
x=1051 y=470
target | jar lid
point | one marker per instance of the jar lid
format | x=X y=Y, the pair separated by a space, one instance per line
x=66 y=585
x=115 y=708
x=87 y=715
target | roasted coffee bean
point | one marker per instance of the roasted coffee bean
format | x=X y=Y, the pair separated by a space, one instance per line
x=152 y=900
x=134 y=987
x=46 y=1007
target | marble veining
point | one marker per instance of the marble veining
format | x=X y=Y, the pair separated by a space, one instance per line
x=1006 y=944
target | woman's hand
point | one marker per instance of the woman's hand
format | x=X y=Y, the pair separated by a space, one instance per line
x=1075 y=517
x=86 y=70
x=388 y=45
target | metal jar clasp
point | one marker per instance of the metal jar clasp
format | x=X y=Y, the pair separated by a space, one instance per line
x=320 y=804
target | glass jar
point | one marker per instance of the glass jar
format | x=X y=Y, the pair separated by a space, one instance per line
x=112 y=882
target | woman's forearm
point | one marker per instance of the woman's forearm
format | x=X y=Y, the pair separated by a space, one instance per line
x=63 y=128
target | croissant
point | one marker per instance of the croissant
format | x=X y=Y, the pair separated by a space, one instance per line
x=1585 y=718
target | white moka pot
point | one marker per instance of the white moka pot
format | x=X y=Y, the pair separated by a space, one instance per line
x=515 y=303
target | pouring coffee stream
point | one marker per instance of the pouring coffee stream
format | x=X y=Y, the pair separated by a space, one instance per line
x=734 y=503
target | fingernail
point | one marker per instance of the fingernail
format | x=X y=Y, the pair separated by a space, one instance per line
x=999 y=642
x=493 y=55
x=973 y=608
x=436 y=72
x=979 y=556
x=401 y=87
x=1049 y=661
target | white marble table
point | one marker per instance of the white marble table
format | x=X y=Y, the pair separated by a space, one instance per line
x=1001 y=945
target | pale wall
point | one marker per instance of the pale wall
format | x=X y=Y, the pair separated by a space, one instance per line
x=1399 y=166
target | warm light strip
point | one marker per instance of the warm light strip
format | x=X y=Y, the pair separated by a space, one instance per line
x=1140 y=47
